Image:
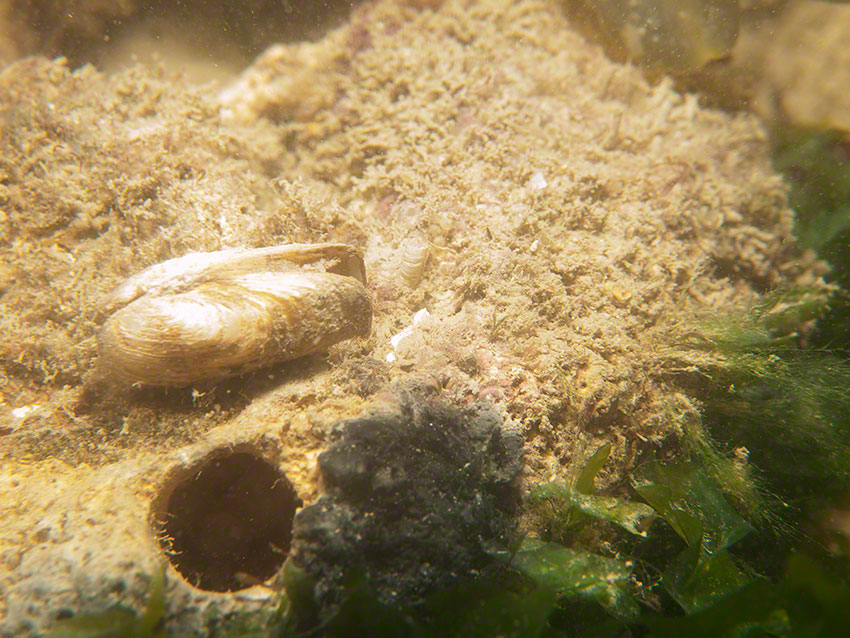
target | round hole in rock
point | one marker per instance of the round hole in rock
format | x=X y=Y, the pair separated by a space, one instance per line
x=228 y=521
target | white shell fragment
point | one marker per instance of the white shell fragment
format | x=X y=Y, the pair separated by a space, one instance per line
x=395 y=341
x=208 y=316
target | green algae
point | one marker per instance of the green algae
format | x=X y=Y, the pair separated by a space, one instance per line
x=783 y=409
x=565 y=506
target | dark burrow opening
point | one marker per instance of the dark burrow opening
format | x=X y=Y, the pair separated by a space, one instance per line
x=227 y=521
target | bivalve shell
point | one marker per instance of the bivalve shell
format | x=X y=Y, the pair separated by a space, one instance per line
x=206 y=316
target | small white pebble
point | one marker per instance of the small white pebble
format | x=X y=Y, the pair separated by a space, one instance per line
x=537 y=181
x=24 y=411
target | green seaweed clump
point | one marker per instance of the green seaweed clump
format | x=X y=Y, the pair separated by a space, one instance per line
x=811 y=599
x=781 y=408
x=563 y=507
x=714 y=591
x=697 y=511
